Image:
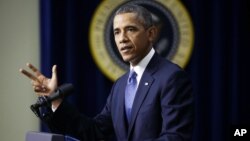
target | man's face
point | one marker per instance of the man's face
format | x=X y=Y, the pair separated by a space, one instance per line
x=132 y=39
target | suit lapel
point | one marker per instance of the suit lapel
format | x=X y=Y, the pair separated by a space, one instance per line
x=142 y=91
x=141 y=94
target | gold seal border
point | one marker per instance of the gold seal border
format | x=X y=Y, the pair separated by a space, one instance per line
x=97 y=41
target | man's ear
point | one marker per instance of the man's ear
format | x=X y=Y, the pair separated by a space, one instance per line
x=152 y=31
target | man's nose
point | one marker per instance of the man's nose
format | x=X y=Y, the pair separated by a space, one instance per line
x=123 y=37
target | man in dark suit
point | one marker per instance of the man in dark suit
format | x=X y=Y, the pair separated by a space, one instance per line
x=151 y=102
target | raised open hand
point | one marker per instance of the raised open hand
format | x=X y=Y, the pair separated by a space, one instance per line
x=41 y=84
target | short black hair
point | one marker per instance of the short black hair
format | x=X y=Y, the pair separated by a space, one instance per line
x=143 y=14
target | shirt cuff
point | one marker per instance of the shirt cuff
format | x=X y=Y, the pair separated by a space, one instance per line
x=53 y=108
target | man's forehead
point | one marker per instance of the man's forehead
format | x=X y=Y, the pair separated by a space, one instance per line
x=126 y=19
x=125 y=15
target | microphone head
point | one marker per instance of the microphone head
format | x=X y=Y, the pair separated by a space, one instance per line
x=61 y=92
x=65 y=89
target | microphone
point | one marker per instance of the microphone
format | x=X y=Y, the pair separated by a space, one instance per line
x=60 y=92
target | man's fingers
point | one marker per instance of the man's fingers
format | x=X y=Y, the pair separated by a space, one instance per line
x=37 y=88
x=36 y=83
x=32 y=77
x=40 y=89
x=34 y=69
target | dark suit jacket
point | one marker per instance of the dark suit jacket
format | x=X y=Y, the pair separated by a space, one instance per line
x=162 y=110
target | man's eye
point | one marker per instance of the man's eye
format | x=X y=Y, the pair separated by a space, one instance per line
x=131 y=29
x=116 y=32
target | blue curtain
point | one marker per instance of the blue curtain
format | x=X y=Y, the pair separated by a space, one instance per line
x=218 y=66
x=64 y=41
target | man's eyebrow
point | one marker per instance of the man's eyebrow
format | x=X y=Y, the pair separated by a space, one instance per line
x=115 y=29
x=126 y=27
x=130 y=26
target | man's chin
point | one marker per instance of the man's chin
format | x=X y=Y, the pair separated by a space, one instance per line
x=126 y=58
x=129 y=58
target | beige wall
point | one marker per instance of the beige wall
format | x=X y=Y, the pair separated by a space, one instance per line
x=19 y=43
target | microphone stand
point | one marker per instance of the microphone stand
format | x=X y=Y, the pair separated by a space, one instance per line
x=42 y=111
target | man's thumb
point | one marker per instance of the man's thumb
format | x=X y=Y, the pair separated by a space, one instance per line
x=54 y=72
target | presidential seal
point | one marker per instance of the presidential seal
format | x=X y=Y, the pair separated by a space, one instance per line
x=174 y=41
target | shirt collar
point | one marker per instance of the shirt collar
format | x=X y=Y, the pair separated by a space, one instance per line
x=141 y=66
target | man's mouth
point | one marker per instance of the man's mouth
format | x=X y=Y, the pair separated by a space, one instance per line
x=126 y=49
